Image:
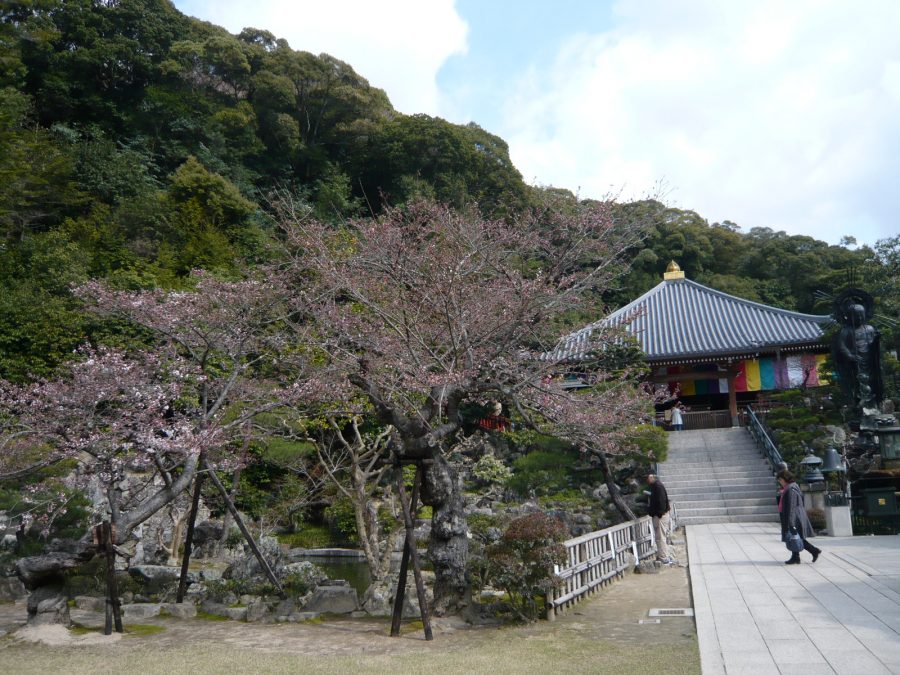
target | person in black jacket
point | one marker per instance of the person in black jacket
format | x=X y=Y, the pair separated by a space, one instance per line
x=659 y=512
x=793 y=516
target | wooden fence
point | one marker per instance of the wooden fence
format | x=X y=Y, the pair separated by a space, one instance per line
x=597 y=558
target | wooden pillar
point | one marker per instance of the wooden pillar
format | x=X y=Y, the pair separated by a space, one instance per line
x=189 y=539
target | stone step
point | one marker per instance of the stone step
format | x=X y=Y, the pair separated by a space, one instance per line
x=751 y=464
x=708 y=520
x=689 y=504
x=685 y=474
x=714 y=459
x=701 y=483
x=727 y=511
x=752 y=493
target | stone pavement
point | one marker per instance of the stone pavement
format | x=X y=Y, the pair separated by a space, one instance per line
x=755 y=614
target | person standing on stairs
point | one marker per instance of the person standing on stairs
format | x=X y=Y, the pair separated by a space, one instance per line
x=677 y=420
x=793 y=516
x=659 y=513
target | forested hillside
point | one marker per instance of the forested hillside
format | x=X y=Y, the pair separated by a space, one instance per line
x=137 y=144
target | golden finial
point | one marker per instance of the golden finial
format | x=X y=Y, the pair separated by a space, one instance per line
x=673 y=271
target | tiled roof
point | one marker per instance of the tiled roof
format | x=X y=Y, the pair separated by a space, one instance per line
x=681 y=318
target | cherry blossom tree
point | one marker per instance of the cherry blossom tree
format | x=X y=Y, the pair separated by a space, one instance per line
x=425 y=310
x=220 y=359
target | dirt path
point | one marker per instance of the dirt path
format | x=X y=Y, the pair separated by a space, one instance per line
x=598 y=635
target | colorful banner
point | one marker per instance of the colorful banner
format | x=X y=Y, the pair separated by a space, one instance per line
x=764 y=374
x=751 y=368
x=767 y=374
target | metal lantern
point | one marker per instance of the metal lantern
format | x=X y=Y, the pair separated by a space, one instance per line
x=811 y=471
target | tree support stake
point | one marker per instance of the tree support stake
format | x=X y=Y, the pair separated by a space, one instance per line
x=243 y=528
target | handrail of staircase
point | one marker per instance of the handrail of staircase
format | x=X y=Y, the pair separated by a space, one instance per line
x=763 y=441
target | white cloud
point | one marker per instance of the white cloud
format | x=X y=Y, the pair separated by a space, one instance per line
x=398 y=45
x=774 y=114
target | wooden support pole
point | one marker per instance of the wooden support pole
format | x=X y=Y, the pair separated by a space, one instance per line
x=106 y=539
x=413 y=552
x=243 y=528
x=189 y=539
x=400 y=593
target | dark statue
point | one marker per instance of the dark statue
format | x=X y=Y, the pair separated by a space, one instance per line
x=857 y=351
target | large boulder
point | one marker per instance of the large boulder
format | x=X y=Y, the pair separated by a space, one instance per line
x=248 y=567
x=378 y=599
x=184 y=610
x=154 y=574
x=304 y=575
x=140 y=611
x=208 y=530
x=338 y=599
x=48 y=605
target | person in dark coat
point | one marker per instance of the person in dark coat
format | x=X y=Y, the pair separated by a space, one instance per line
x=658 y=509
x=793 y=516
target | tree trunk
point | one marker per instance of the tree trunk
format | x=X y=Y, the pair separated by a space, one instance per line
x=614 y=492
x=38 y=570
x=449 y=545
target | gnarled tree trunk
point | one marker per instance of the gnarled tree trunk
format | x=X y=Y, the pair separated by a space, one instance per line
x=448 y=547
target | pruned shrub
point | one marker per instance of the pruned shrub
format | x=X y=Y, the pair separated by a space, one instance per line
x=521 y=563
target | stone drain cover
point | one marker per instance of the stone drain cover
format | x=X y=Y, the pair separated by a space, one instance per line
x=681 y=611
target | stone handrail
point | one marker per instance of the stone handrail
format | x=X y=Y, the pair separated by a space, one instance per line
x=597 y=558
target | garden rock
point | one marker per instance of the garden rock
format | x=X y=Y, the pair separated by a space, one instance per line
x=257 y=611
x=139 y=611
x=601 y=493
x=218 y=609
x=8 y=542
x=154 y=574
x=208 y=530
x=248 y=567
x=333 y=600
x=90 y=603
x=48 y=605
x=184 y=610
x=378 y=599
x=284 y=609
x=305 y=572
x=11 y=589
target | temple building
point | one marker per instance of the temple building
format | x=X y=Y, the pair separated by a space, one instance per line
x=715 y=350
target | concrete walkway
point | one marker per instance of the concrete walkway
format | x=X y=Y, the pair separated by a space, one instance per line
x=755 y=614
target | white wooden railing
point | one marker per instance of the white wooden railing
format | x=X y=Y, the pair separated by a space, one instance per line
x=597 y=558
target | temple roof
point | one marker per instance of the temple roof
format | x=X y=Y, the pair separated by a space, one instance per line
x=680 y=318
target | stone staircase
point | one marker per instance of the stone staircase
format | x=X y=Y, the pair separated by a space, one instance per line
x=718 y=476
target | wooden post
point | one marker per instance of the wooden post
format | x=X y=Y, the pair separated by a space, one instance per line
x=189 y=539
x=243 y=528
x=400 y=593
x=413 y=552
x=106 y=540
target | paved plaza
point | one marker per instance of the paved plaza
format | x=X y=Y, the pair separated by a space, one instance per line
x=755 y=614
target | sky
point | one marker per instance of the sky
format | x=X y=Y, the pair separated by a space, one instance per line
x=764 y=113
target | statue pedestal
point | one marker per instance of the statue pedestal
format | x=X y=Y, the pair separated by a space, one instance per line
x=813 y=495
x=837 y=520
